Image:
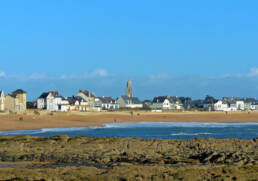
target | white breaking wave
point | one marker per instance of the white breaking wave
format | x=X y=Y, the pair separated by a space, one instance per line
x=132 y=125
x=44 y=130
x=190 y=134
x=177 y=124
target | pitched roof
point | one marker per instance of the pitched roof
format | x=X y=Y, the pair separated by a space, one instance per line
x=87 y=93
x=45 y=94
x=72 y=100
x=171 y=99
x=106 y=100
x=18 y=91
x=133 y=100
x=159 y=99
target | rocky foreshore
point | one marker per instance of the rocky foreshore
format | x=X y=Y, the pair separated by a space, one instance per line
x=83 y=158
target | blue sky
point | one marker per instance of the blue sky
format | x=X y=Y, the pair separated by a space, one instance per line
x=169 y=47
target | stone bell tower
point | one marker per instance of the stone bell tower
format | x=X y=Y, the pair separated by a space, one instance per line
x=129 y=88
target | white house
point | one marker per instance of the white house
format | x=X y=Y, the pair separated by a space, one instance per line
x=42 y=101
x=54 y=102
x=166 y=103
x=221 y=106
x=254 y=107
x=240 y=105
x=2 y=101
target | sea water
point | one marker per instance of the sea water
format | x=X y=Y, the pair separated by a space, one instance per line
x=156 y=130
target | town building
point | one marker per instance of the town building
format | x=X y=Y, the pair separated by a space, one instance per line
x=167 y=103
x=221 y=105
x=147 y=104
x=16 y=101
x=2 y=101
x=129 y=89
x=88 y=100
x=42 y=100
x=76 y=104
x=128 y=101
x=105 y=103
x=254 y=106
x=54 y=101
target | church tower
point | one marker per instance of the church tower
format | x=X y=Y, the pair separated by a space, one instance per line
x=129 y=89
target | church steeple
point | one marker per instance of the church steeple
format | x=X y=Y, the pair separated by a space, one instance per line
x=129 y=88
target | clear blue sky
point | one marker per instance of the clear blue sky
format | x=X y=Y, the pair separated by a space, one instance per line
x=169 y=47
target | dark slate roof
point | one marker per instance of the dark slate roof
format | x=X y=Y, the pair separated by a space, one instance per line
x=18 y=91
x=106 y=100
x=73 y=99
x=44 y=95
x=133 y=100
x=161 y=99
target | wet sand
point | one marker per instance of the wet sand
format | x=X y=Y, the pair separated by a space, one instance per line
x=63 y=120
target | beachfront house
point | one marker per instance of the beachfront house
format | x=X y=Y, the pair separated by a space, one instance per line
x=231 y=104
x=166 y=103
x=54 y=101
x=160 y=103
x=254 y=106
x=88 y=100
x=186 y=101
x=208 y=103
x=16 y=101
x=129 y=102
x=77 y=104
x=2 y=101
x=248 y=102
x=105 y=103
x=42 y=99
x=147 y=104
x=221 y=105
x=197 y=104
x=176 y=103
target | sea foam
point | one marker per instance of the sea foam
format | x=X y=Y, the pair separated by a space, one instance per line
x=44 y=131
x=177 y=124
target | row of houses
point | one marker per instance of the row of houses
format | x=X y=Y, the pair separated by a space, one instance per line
x=85 y=100
x=231 y=104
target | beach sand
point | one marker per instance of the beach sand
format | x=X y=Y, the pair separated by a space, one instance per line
x=80 y=119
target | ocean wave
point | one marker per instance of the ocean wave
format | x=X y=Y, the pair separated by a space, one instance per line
x=177 y=124
x=131 y=125
x=19 y=132
x=190 y=134
x=44 y=130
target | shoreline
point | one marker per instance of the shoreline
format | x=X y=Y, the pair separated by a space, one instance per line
x=70 y=120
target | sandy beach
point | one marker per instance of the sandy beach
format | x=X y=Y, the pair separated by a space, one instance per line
x=63 y=120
